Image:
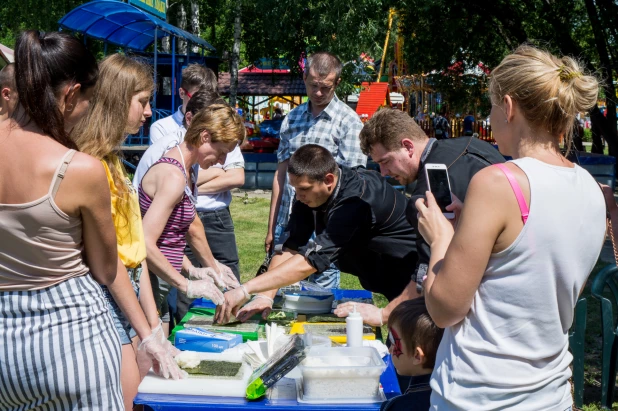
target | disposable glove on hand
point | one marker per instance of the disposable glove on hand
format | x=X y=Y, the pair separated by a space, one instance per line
x=205 y=273
x=259 y=304
x=163 y=363
x=229 y=278
x=206 y=289
x=158 y=332
x=224 y=279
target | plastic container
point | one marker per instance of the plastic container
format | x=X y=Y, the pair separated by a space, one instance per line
x=308 y=302
x=341 y=374
x=354 y=329
x=317 y=341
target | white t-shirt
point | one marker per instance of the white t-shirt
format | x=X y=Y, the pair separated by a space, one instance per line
x=511 y=351
x=166 y=126
x=205 y=202
x=212 y=202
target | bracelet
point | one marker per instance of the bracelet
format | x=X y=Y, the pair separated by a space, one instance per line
x=381 y=320
x=265 y=297
x=244 y=290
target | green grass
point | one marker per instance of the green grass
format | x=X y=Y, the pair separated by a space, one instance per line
x=250 y=221
x=250 y=217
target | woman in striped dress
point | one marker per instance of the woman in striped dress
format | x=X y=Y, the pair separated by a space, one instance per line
x=120 y=106
x=59 y=349
x=167 y=196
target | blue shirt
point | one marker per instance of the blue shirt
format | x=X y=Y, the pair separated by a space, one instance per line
x=468 y=121
x=416 y=398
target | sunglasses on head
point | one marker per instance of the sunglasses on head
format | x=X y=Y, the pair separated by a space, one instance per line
x=187 y=93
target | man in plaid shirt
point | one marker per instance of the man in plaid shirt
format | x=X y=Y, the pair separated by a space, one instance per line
x=324 y=120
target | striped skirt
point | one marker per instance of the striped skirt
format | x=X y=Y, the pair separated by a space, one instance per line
x=59 y=349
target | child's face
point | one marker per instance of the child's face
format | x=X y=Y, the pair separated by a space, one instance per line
x=406 y=363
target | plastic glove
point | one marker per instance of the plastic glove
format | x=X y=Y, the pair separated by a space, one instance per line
x=206 y=289
x=233 y=299
x=206 y=273
x=371 y=314
x=160 y=335
x=224 y=279
x=229 y=278
x=163 y=363
x=255 y=306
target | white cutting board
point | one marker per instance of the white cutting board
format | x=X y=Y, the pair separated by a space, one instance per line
x=201 y=385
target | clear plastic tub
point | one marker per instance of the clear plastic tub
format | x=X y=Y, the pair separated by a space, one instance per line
x=341 y=373
x=317 y=340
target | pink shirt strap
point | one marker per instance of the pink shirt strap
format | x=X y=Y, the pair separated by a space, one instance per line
x=519 y=195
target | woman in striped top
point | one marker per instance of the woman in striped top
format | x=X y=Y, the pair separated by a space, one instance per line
x=120 y=106
x=167 y=196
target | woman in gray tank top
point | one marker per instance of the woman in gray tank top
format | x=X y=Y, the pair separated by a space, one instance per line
x=59 y=349
x=505 y=281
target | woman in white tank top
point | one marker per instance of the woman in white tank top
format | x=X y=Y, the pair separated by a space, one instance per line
x=504 y=283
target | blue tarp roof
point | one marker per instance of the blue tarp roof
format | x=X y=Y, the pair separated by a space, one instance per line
x=122 y=24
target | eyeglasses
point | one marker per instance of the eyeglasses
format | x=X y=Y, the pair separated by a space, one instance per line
x=187 y=93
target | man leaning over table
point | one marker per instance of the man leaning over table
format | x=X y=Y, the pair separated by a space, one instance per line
x=360 y=225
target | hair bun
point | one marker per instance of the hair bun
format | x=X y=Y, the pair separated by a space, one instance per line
x=549 y=90
x=566 y=74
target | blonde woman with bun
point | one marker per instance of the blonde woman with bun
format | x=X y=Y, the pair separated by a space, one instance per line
x=505 y=281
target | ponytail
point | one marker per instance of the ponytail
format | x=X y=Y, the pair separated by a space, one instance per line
x=44 y=64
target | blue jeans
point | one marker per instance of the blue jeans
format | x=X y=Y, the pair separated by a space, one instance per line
x=121 y=323
x=327 y=279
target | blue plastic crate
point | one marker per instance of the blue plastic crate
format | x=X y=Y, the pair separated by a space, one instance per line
x=339 y=293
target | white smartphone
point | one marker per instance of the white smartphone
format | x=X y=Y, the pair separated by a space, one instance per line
x=440 y=186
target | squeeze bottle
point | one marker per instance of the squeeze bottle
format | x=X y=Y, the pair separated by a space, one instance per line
x=354 y=329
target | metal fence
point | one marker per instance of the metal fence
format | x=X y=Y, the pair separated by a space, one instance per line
x=481 y=128
x=142 y=137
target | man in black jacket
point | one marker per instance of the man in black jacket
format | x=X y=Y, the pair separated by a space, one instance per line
x=360 y=225
x=401 y=148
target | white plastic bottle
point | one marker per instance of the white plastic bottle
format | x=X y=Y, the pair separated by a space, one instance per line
x=354 y=329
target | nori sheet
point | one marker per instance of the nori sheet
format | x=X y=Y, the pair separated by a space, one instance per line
x=199 y=321
x=216 y=368
x=325 y=318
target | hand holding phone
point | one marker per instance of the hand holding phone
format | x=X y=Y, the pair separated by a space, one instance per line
x=440 y=187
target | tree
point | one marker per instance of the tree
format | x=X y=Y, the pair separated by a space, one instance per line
x=195 y=22
x=19 y=15
x=487 y=31
x=235 y=54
